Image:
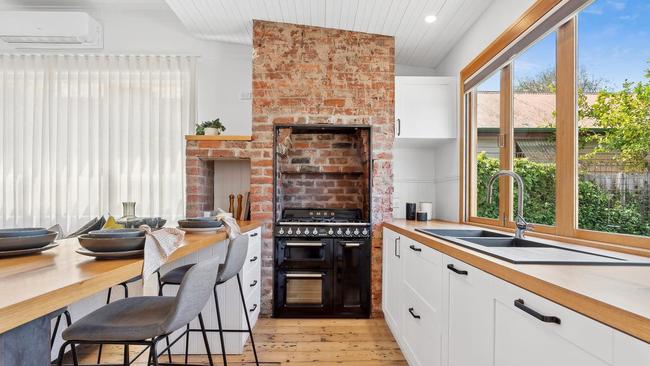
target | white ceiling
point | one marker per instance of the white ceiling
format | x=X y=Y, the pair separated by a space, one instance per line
x=417 y=42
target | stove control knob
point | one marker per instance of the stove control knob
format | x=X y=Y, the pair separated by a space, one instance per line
x=281 y=231
x=298 y=232
x=289 y=231
x=339 y=231
x=356 y=231
x=347 y=231
x=314 y=232
x=330 y=232
x=364 y=231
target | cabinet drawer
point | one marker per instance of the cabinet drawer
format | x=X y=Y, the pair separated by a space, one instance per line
x=575 y=329
x=253 y=306
x=251 y=279
x=423 y=271
x=420 y=330
x=254 y=254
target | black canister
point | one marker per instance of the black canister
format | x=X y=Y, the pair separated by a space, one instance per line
x=422 y=216
x=410 y=210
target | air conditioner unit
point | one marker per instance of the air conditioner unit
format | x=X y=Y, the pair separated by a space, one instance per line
x=48 y=29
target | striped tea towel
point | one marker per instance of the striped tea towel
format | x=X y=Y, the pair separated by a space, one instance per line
x=158 y=246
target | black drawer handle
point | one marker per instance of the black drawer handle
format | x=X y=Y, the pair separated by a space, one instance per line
x=415 y=249
x=253 y=234
x=253 y=259
x=456 y=270
x=253 y=283
x=546 y=319
x=253 y=308
x=413 y=314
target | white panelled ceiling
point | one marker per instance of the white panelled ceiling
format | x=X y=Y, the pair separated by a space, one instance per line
x=417 y=43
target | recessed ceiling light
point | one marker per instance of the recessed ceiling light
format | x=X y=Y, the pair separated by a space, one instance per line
x=430 y=18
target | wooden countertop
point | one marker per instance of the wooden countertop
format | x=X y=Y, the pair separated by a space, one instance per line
x=618 y=296
x=36 y=285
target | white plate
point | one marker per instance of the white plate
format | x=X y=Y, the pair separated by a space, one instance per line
x=204 y=230
x=11 y=253
x=111 y=255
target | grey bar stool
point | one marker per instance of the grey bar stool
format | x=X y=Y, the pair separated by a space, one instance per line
x=235 y=259
x=146 y=320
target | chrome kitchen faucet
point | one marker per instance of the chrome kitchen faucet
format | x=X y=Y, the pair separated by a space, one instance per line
x=520 y=222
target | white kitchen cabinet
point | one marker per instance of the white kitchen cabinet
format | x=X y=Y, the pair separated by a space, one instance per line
x=425 y=107
x=421 y=313
x=443 y=311
x=392 y=280
x=469 y=314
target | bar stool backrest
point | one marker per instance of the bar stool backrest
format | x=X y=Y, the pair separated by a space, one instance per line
x=193 y=294
x=235 y=258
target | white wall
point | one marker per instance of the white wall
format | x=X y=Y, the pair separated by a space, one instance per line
x=496 y=19
x=408 y=70
x=224 y=71
x=413 y=177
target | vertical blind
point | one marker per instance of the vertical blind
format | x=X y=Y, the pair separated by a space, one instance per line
x=82 y=133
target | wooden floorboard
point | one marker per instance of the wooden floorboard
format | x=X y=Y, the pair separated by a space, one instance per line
x=299 y=342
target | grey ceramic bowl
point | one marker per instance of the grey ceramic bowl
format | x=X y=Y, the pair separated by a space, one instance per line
x=22 y=231
x=199 y=223
x=111 y=244
x=116 y=233
x=27 y=242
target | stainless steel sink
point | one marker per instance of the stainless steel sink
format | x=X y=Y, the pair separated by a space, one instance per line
x=528 y=251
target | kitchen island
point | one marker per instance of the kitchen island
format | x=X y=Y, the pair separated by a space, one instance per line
x=33 y=287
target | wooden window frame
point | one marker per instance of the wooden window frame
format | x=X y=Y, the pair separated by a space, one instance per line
x=566 y=212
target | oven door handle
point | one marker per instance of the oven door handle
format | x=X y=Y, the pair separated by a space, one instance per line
x=304 y=275
x=351 y=245
x=304 y=244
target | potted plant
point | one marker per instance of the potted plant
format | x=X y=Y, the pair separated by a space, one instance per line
x=213 y=127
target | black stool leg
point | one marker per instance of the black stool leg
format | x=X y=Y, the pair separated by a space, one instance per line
x=73 y=347
x=207 y=344
x=187 y=342
x=99 y=353
x=250 y=331
x=160 y=293
x=56 y=329
x=223 y=347
x=153 y=355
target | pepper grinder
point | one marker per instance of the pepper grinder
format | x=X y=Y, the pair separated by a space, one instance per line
x=231 y=199
x=239 y=208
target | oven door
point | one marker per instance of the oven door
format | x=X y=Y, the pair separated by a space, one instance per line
x=303 y=293
x=304 y=253
x=352 y=277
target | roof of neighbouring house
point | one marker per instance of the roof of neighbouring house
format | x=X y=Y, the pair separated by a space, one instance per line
x=531 y=110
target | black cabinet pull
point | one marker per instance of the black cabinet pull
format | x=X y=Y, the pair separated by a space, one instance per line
x=415 y=249
x=413 y=314
x=253 y=283
x=399 y=127
x=396 y=248
x=456 y=270
x=253 y=308
x=519 y=303
x=253 y=259
x=253 y=234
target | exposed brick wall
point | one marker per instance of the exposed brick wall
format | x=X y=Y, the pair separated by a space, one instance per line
x=308 y=75
x=315 y=75
x=323 y=170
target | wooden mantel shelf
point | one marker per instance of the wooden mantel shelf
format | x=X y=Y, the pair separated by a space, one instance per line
x=218 y=137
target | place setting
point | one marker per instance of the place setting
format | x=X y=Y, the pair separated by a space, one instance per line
x=23 y=241
x=112 y=243
x=202 y=225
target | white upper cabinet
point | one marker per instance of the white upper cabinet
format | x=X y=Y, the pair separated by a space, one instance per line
x=425 y=107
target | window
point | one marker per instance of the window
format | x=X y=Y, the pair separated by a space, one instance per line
x=570 y=92
x=533 y=122
x=81 y=133
x=614 y=144
x=488 y=135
